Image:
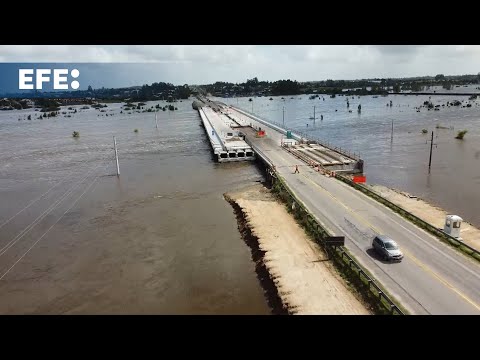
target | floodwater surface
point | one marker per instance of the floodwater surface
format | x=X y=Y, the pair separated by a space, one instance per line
x=158 y=239
x=453 y=183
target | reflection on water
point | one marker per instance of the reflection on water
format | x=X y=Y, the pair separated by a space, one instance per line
x=454 y=182
x=159 y=239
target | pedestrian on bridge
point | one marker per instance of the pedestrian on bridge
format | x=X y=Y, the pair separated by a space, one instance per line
x=296 y=170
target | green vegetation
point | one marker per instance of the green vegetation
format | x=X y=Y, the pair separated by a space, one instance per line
x=374 y=86
x=251 y=87
x=135 y=131
x=285 y=87
x=47 y=105
x=11 y=104
x=447 y=85
x=99 y=106
x=461 y=134
x=76 y=134
x=424 y=131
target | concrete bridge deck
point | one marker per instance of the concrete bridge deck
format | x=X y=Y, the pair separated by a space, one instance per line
x=317 y=153
x=226 y=143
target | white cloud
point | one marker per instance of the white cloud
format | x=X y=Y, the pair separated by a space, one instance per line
x=208 y=63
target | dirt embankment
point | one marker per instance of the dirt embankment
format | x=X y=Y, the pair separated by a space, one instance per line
x=291 y=267
x=429 y=213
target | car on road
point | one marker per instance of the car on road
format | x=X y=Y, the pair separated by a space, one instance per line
x=387 y=248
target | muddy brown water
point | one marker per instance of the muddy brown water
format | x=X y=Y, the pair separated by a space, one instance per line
x=454 y=180
x=160 y=239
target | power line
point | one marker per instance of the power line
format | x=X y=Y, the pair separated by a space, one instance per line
x=38 y=198
x=44 y=214
x=50 y=228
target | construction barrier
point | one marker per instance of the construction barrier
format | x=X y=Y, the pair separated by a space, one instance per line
x=359 y=179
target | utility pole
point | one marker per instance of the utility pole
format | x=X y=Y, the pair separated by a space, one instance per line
x=391 y=137
x=116 y=155
x=314 y=115
x=283 y=114
x=431 y=147
x=156 y=123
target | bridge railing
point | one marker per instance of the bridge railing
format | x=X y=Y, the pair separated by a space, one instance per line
x=307 y=137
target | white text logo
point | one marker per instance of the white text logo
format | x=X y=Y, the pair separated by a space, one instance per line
x=29 y=79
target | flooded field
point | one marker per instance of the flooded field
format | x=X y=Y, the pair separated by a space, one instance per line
x=160 y=239
x=454 y=180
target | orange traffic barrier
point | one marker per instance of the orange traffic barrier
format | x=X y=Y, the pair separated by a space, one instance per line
x=359 y=179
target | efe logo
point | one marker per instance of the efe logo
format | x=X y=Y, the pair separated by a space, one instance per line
x=60 y=78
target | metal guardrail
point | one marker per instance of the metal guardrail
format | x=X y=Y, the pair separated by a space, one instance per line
x=415 y=219
x=308 y=137
x=260 y=153
x=342 y=258
x=371 y=282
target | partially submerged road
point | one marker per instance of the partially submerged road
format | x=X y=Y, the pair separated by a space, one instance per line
x=432 y=278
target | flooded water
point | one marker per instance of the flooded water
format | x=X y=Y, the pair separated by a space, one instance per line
x=454 y=180
x=160 y=239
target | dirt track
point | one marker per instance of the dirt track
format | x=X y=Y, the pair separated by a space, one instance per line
x=305 y=283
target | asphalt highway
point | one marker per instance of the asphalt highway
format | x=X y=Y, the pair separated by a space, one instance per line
x=433 y=278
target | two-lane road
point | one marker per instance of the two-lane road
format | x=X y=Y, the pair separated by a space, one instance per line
x=432 y=278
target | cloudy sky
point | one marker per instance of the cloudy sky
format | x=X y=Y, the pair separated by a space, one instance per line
x=200 y=64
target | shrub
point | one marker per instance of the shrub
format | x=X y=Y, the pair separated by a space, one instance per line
x=75 y=134
x=424 y=131
x=461 y=134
